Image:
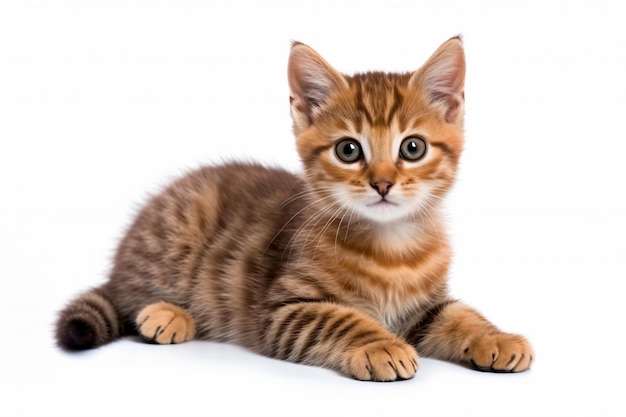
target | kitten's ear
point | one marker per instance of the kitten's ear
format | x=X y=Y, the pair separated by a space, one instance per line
x=442 y=77
x=311 y=80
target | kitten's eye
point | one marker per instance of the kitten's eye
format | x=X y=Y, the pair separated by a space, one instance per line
x=348 y=150
x=413 y=148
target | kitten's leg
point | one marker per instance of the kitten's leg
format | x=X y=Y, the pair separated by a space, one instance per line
x=165 y=323
x=454 y=332
x=342 y=338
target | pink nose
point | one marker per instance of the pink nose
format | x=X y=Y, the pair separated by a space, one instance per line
x=382 y=186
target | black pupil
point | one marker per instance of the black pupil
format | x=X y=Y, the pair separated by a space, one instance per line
x=412 y=147
x=349 y=149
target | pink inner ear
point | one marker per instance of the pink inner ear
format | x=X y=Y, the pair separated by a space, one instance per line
x=309 y=84
x=311 y=78
x=445 y=85
x=443 y=78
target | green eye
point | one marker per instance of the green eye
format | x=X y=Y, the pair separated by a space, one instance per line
x=348 y=150
x=413 y=148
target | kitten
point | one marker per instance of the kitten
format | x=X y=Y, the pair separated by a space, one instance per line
x=344 y=267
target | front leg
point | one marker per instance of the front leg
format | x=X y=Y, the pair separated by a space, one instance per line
x=338 y=337
x=454 y=332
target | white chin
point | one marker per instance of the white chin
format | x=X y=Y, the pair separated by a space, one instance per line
x=384 y=212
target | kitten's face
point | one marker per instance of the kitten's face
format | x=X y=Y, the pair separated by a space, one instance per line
x=382 y=146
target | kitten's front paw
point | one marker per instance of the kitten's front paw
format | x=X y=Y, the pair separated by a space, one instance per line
x=165 y=323
x=499 y=352
x=383 y=361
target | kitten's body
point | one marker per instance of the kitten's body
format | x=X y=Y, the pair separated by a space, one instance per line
x=344 y=268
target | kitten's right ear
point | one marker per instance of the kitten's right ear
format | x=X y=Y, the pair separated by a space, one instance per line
x=311 y=81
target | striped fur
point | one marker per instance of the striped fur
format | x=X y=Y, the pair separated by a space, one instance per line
x=343 y=267
x=88 y=322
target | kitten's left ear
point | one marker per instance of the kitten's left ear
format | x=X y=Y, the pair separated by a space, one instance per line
x=442 y=77
x=311 y=81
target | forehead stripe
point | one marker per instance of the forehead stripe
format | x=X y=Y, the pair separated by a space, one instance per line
x=361 y=107
x=396 y=103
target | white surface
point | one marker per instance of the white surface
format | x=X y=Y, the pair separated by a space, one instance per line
x=103 y=102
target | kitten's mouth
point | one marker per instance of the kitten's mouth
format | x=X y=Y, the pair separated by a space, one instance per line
x=382 y=202
x=383 y=209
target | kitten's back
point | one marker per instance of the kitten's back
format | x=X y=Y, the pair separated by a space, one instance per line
x=208 y=240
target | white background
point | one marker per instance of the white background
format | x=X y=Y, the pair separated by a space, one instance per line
x=103 y=102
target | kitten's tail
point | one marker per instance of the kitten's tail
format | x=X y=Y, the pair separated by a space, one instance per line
x=88 y=321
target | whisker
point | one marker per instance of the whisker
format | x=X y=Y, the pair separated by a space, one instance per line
x=320 y=235
x=351 y=211
x=428 y=209
x=308 y=224
x=292 y=218
x=305 y=193
x=319 y=216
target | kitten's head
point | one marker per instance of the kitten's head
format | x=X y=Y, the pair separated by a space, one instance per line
x=384 y=146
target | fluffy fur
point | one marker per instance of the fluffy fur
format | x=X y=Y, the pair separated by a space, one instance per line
x=344 y=267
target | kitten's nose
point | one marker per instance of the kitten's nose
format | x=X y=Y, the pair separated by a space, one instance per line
x=382 y=186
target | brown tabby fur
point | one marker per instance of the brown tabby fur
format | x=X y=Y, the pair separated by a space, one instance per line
x=344 y=267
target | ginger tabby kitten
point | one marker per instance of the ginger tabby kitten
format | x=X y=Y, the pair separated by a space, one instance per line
x=344 y=267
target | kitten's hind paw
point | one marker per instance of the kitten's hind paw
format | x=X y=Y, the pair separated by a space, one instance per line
x=383 y=360
x=165 y=323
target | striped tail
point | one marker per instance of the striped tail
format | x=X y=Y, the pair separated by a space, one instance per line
x=88 y=322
